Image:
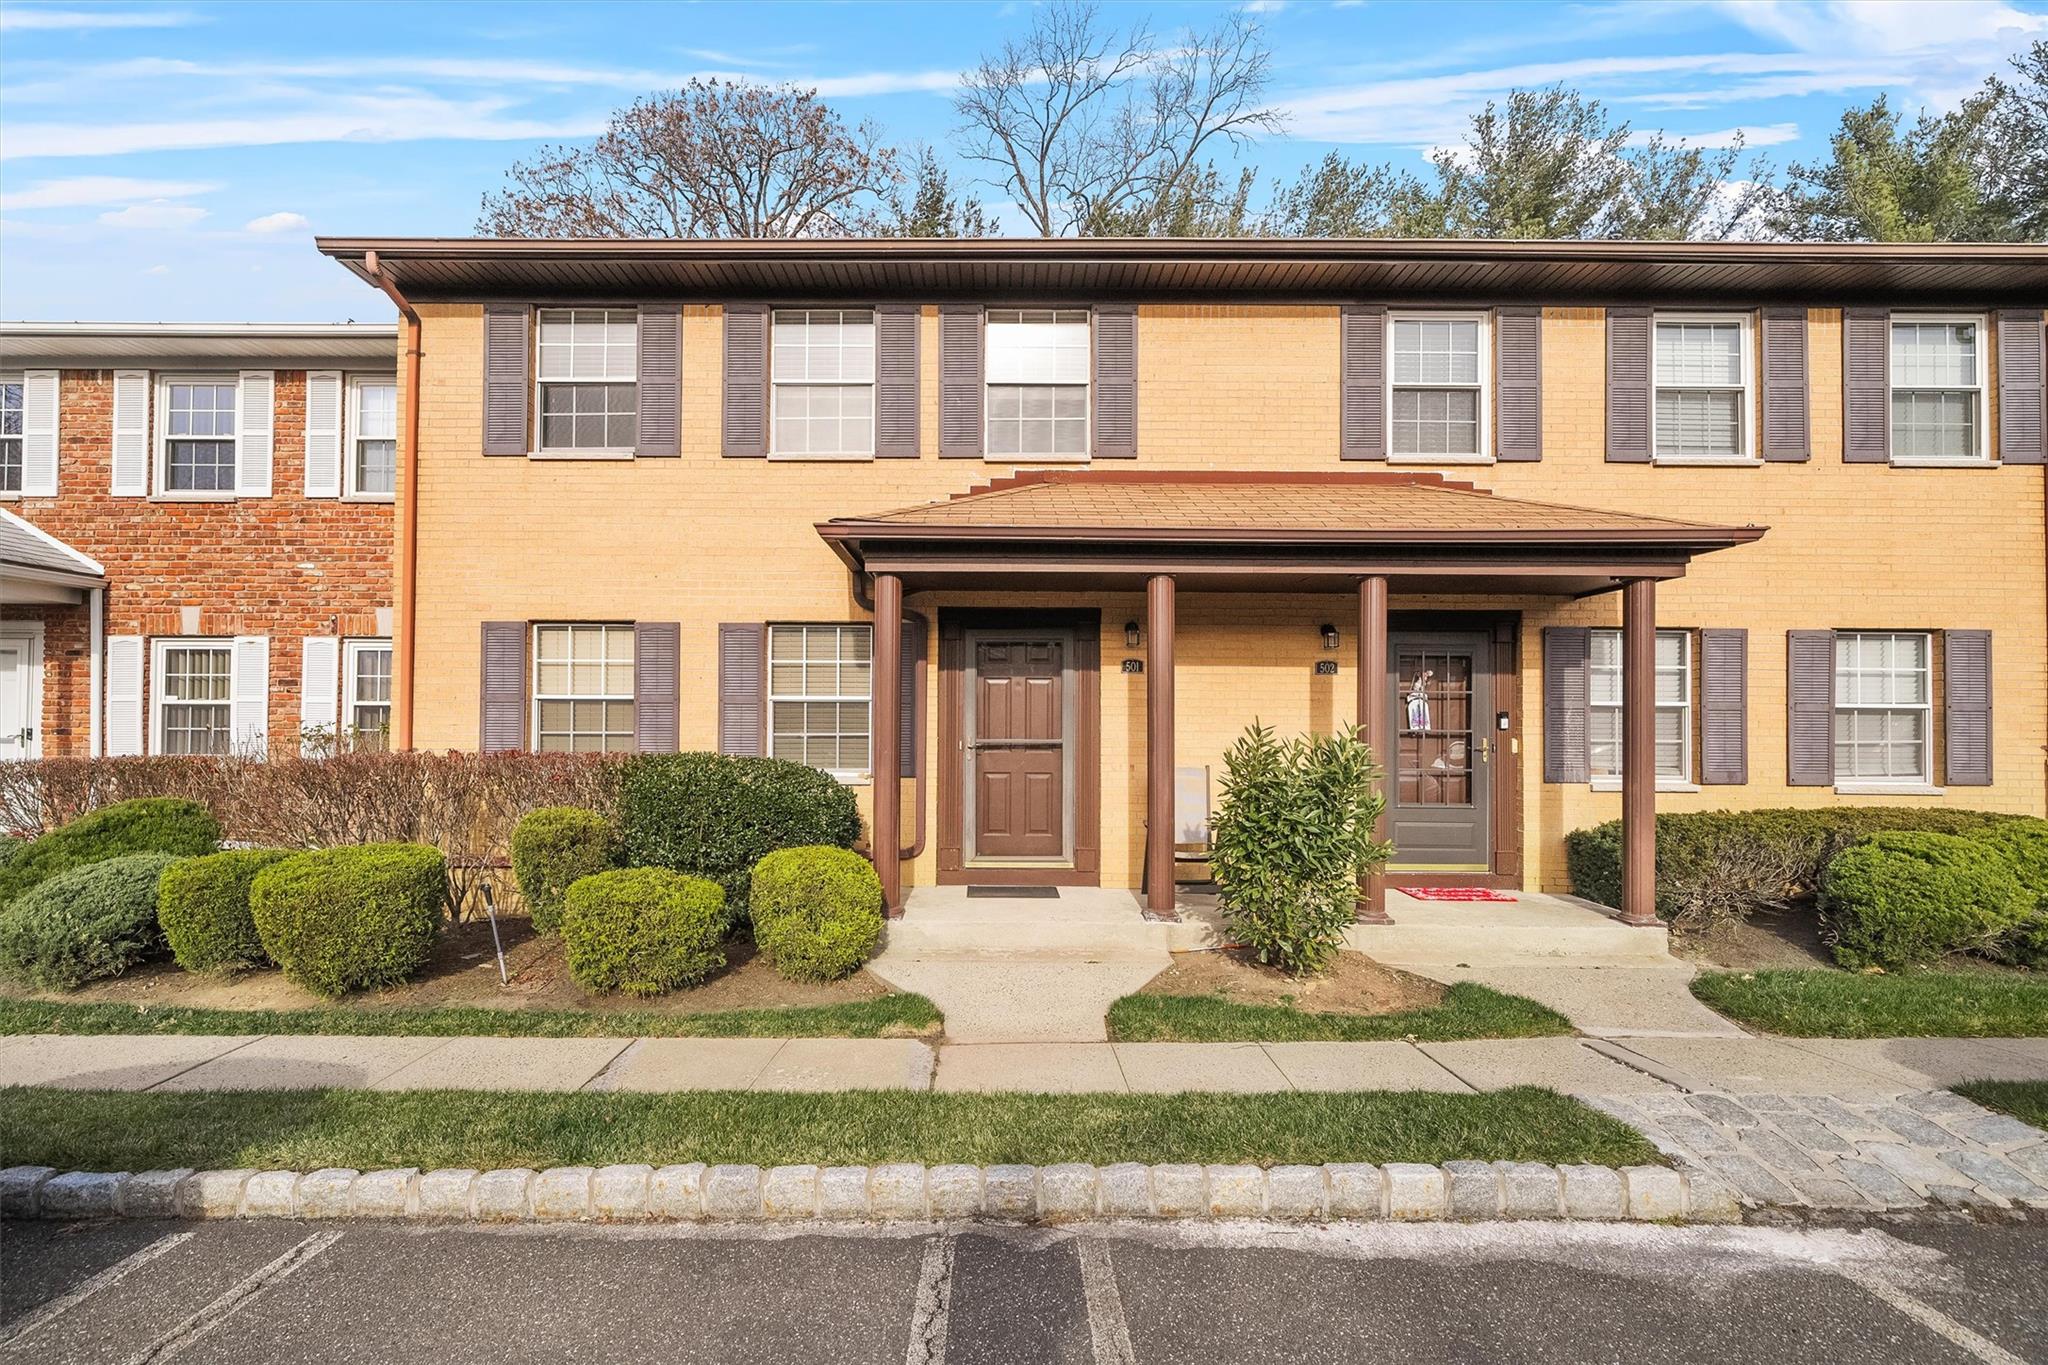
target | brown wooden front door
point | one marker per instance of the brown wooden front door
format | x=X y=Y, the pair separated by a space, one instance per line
x=1440 y=776
x=1019 y=777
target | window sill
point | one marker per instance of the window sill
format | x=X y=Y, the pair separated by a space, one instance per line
x=1664 y=784
x=386 y=498
x=1440 y=459
x=1033 y=460
x=1708 y=461
x=7 y=495
x=194 y=497
x=1972 y=462
x=794 y=457
x=1888 y=789
x=571 y=456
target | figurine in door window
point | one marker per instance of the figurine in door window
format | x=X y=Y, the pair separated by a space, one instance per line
x=1418 y=701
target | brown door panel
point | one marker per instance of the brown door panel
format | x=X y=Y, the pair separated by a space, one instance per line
x=1016 y=755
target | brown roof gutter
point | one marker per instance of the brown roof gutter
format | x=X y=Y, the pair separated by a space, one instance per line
x=1677 y=536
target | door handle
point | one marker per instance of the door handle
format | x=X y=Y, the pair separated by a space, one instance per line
x=1486 y=748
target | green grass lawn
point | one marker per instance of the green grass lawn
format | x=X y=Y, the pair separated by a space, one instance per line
x=305 y=1130
x=1823 y=1003
x=2026 y=1101
x=1468 y=1010
x=894 y=1015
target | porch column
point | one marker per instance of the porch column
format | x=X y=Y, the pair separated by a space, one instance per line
x=884 y=726
x=1372 y=719
x=1159 y=899
x=1639 y=752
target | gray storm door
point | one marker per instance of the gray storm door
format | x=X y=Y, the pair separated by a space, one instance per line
x=1440 y=775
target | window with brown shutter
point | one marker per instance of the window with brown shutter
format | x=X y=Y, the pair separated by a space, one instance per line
x=2021 y=396
x=659 y=433
x=1724 y=707
x=502 y=727
x=742 y=687
x=960 y=381
x=506 y=340
x=1966 y=699
x=1809 y=708
x=1362 y=366
x=1566 y=653
x=1518 y=377
x=1866 y=386
x=746 y=381
x=1115 y=388
x=1628 y=385
x=657 y=686
x=1787 y=425
x=897 y=329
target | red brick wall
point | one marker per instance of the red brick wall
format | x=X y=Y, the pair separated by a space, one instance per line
x=286 y=566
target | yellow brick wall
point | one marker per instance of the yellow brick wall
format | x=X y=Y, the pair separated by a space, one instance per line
x=704 y=539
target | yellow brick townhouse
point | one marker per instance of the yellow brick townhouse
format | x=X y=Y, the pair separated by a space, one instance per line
x=1018 y=536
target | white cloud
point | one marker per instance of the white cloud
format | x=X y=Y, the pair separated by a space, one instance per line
x=60 y=19
x=1265 y=6
x=156 y=214
x=91 y=191
x=1750 y=135
x=278 y=222
x=158 y=270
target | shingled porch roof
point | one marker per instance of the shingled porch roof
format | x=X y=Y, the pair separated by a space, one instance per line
x=1272 y=532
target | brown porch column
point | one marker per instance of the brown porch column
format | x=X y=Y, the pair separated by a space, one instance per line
x=883 y=727
x=1639 y=752
x=1159 y=748
x=1372 y=719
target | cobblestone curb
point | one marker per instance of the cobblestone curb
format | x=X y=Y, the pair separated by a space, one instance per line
x=1461 y=1191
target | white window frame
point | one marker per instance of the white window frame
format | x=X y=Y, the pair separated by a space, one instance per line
x=18 y=379
x=1681 y=780
x=1746 y=451
x=159 y=660
x=1981 y=452
x=540 y=382
x=1087 y=388
x=777 y=382
x=535 y=696
x=161 y=446
x=352 y=426
x=1483 y=386
x=351 y=703
x=847 y=775
x=1924 y=780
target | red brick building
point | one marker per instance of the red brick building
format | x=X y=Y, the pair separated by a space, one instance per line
x=195 y=536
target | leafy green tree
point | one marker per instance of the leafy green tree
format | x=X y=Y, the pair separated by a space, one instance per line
x=2015 y=143
x=931 y=208
x=1885 y=182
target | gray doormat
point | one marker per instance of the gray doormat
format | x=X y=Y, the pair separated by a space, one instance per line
x=1039 y=893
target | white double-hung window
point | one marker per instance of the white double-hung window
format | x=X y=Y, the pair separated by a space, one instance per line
x=587 y=371
x=366 y=693
x=194 y=694
x=1037 y=369
x=1937 y=366
x=372 y=438
x=12 y=433
x=582 y=688
x=198 y=424
x=1884 y=693
x=819 y=686
x=1436 y=386
x=822 y=372
x=1702 y=409
x=1674 y=706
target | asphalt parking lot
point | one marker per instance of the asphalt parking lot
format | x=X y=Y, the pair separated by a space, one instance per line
x=134 y=1292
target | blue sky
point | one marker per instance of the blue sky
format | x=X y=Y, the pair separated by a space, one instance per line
x=172 y=161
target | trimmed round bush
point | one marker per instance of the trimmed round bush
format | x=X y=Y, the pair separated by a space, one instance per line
x=552 y=849
x=1899 y=900
x=2024 y=846
x=355 y=918
x=203 y=905
x=93 y=921
x=643 y=930
x=817 y=911
x=713 y=815
x=153 y=824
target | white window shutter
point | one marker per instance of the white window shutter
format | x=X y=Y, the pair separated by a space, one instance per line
x=253 y=440
x=124 y=695
x=131 y=433
x=323 y=434
x=249 y=694
x=39 y=434
x=319 y=693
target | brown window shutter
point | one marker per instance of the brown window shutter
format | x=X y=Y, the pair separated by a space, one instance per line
x=1787 y=431
x=1810 y=708
x=743 y=688
x=657 y=686
x=1115 y=387
x=505 y=389
x=1567 y=651
x=1966 y=698
x=1866 y=386
x=1628 y=385
x=503 y=727
x=1724 y=707
x=660 y=433
x=746 y=381
x=1518 y=377
x=913 y=651
x=960 y=371
x=896 y=380
x=1363 y=366
x=2020 y=395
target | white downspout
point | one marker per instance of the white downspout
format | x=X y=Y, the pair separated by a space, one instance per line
x=95 y=653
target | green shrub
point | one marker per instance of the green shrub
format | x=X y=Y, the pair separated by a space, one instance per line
x=203 y=905
x=553 y=848
x=1714 y=867
x=1903 y=899
x=2024 y=846
x=155 y=824
x=715 y=816
x=92 y=921
x=10 y=844
x=643 y=930
x=817 y=911
x=1293 y=833
x=355 y=918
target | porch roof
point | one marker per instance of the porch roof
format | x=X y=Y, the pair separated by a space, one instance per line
x=35 y=566
x=1269 y=532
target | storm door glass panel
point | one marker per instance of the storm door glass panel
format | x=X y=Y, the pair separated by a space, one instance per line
x=1435 y=758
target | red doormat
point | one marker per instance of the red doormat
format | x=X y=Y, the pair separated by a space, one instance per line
x=1454 y=893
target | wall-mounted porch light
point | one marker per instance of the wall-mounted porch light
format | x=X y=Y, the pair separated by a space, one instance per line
x=1329 y=637
x=1131 y=638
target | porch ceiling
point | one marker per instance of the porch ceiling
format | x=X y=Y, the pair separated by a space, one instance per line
x=1308 y=532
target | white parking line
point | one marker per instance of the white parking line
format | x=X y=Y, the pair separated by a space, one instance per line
x=174 y=1342
x=1932 y=1318
x=64 y=1303
x=932 y=1306
x=1107 y=1331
